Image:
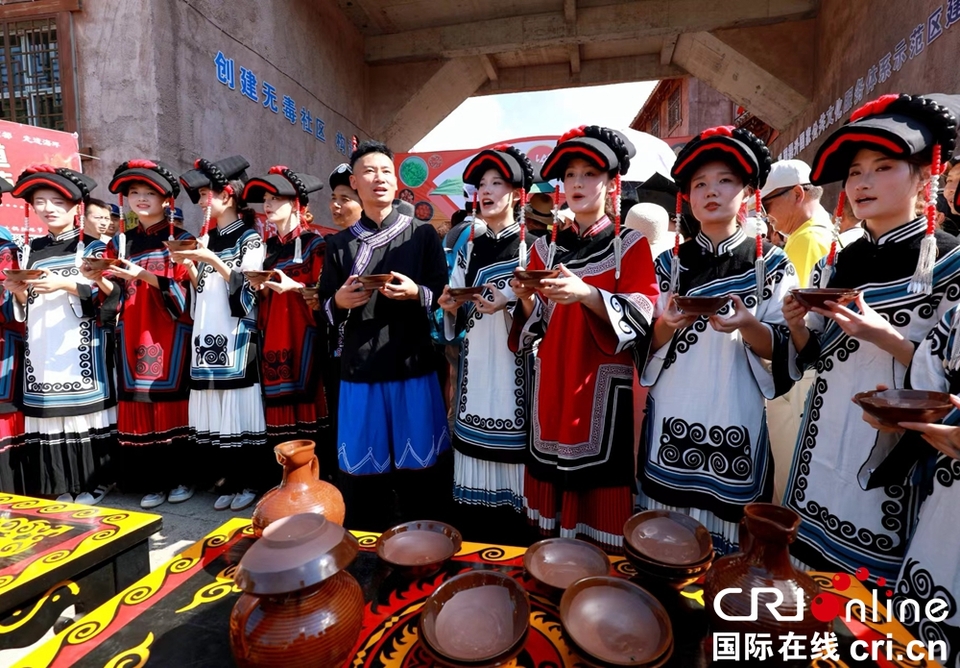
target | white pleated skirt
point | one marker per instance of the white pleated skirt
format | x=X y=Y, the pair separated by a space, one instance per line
x=227 y=418
x=479 y=482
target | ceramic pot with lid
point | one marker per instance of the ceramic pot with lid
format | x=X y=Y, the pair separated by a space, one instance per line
x=299 y=606
x=300 y=490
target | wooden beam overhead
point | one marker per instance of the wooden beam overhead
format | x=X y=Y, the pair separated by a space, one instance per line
x=718 y=65
x=570 y=11
x=592 y=73
x=489 y=67
x=666 y=52
x=574 y=59
x=26 y=10
x=640 y=18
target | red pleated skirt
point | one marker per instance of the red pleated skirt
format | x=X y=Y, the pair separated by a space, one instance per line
x=11 y=429
x=596 y=515
x=163 y=423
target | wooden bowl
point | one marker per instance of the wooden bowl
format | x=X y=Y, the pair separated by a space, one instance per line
x=102 y=263
x=891 y=407
x=309 y=292
x=22 y=274
x=669 y=538
x=530 y=278
x=615 y=621
x=259 y=276
x=419 y=548
x=178 y=245
x=701 y=305
x=463 y=294
x=374 y=281
x=675 y=577
x=817 y=297
x=476 y=617
x=556 y=563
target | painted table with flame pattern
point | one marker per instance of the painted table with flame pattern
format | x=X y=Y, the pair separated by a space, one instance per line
x=54 y=555
x=179 y=614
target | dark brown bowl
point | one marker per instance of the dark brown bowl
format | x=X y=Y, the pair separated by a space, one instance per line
x=818 y=297
x=476 y=617
x=658 y=574
x=891 y=407
x=668 y=537
x=557 y=563
x=259 y=276
x=309 y=292
x=102 y=263
x=701 y=305
x=463 y=294
x=616 y=621
x=418 y=548
x=375 y=281
x=23 y=274
x=532 y=277
x=181 y=245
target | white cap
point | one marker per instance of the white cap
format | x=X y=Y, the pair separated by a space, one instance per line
x=786 y=174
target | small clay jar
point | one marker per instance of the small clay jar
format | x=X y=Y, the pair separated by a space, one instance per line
x=299 y=606
x=300 y=490
x=766 y=532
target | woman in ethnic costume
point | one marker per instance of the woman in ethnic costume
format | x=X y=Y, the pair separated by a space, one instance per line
x=67 y=396
x=11 y=352
x=490 y=414
x=226 y=402
x=705 y=449
x=909 y=276
x=591 y=323
x=293 y=349
x=153 y=338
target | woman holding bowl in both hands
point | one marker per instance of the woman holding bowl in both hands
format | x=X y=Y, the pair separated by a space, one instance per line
x=490 y=423
x=226 y=402
x=706 y=452
x=67 y=396
x=292 y=350
x=908 y=276
x=591 y=323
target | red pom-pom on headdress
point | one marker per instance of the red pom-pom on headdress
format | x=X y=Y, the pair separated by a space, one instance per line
x=501 y=147
x=874 y=107
x=278 y=169
x=725 y=130
x=570 y=134
x=40 y=167
x=141 y=164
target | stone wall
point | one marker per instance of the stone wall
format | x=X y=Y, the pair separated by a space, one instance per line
x=148 y=83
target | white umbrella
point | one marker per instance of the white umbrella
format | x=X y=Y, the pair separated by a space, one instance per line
x=653 y=155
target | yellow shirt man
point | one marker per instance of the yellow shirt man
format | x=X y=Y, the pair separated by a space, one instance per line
x=805 y=247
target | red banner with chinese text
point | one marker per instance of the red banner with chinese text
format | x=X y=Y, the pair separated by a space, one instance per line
x=22 y=145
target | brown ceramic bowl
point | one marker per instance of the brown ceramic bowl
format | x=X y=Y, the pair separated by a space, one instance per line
x=418 y=548
x=22 y=274
x=818 y=297
x=374 y=281
x=557 y=563
x=669 y=538
x=309 y=292
x=295 y=552
x=476 y=617
x=102 y=263
x=891 y=407
x=463 y=294
x=530 y=278
x=701 y=305
x=181 y=245
x=259 y=276
x=615 y=621
x=658 y=574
